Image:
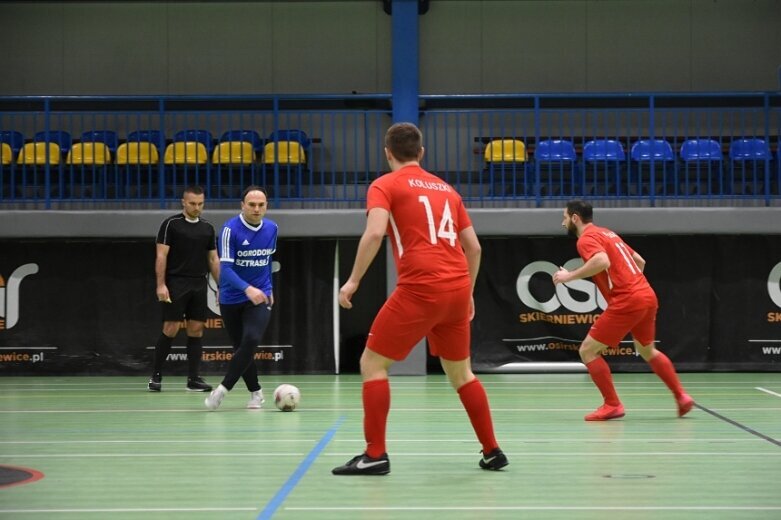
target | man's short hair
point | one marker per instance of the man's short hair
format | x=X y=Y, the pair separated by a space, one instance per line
x=404 y=141
x=252 y=188
x=195 y=190
x=581 y=208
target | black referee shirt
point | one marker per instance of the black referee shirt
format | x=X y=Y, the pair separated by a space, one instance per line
x=190 y=243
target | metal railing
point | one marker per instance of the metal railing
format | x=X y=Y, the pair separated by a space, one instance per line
x=343 y=149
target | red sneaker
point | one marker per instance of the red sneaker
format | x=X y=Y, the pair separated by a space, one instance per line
x=606 y=412
x=685 y=404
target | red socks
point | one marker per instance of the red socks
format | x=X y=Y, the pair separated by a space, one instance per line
x=663 y=367
x=475 y=401
x=600 y=374
x=376 y=404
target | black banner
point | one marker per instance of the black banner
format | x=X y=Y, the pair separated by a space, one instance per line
x=88 y=307
x=719 y=302
x=81 y=307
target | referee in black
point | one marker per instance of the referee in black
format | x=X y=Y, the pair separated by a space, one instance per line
x=186 y=252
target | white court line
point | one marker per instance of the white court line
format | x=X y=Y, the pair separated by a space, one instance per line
x=341 y=409
x=232 y=440
x=131 y=510
x=539 y=508
x=400 y=382
x=767 y=391
x=569 y=454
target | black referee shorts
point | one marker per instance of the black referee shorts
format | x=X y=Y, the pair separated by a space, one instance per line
x=188 y=299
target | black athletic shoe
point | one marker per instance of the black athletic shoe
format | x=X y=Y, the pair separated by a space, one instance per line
x=495 y=460
x=197 y=384
x=364 y=465
x=155 y=383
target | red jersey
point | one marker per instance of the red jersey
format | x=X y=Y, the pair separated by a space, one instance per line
x=623 y=280
x=426 y=217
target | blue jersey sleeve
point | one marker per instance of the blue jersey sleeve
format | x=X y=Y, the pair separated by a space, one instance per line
x=226 y=249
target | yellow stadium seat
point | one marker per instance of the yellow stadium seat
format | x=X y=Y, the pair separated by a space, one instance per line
x=506 y=150
x=90 y=153
x=186 y=152
x=234 y=152
x=6 y=154
x=290 y=152
x=137 y=153
x=35 y=153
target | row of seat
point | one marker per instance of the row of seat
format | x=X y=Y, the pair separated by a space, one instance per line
x=110 y=138
x=514 y=150
x=141 y=147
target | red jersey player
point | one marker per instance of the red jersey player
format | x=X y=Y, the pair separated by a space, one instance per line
x=437 y=256
x=617 y=271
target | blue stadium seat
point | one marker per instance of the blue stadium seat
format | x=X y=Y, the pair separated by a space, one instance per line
x=292 y=134
x=195 y=136
x=13 y=138
x=603 y=162
x=556 y=160
x=702 y=167
x=59 y=137
x=749 y=159
x=146 y=136
x=662 y=180
x=700 y=150
x=246 y=136
x=107 y=137
x=656 y=149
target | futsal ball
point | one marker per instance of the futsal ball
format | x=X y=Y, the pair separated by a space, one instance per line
x=287 y=397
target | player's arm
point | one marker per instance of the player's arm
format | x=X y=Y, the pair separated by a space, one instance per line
x=596 y=264
x=371 y=240
x=472 y=250
x=214 y=265
x=639 y=260
x=161 y=262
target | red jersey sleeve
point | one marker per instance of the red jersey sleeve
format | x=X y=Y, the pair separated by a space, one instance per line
x=588 y=245
x=377 y=196
x=463 y=217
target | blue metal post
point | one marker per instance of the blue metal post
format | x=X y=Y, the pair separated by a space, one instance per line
x=405 y=60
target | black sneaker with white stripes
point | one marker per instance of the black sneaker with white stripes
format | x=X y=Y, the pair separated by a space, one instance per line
x=155 y=383
x=494 y=461
x=364 y=465
x=197 y=384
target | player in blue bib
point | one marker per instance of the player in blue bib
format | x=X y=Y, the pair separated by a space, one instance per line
x=245 y=246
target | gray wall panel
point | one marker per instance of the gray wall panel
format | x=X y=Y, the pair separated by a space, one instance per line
x=350 y=223
x=638 y=46
x=736 y=45
x=114 y=49
x=338 y=46
x=212 y=46
x=31 y=36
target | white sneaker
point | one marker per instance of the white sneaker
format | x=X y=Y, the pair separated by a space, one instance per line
x=215 y=398
x=256 y=400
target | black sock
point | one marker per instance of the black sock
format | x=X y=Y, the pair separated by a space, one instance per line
x=194 y=350
x=162 y=348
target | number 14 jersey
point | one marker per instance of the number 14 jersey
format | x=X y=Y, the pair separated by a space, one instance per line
x=426 y=217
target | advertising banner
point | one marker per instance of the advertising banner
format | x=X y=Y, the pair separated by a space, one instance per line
x=719 y=302
x=89 y=307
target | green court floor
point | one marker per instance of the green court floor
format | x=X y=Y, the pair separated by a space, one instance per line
x=107 y=448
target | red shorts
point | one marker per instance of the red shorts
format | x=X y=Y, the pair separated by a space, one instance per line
x=408 y=316
x=614 y=324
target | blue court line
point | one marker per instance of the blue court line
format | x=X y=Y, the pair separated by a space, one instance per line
x=302 y=468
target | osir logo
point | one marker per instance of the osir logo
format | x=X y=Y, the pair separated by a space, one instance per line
x=774 y=284
x=563 y=296
x=9 y=295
